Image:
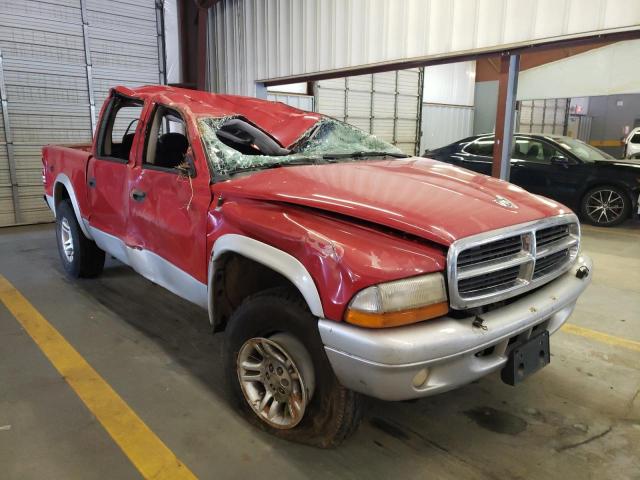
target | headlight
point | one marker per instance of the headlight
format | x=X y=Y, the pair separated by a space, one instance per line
x=400 y=302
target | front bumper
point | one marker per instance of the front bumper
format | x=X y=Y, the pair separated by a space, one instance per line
x=388 y=363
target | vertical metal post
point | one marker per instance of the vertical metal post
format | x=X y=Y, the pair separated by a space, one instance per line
x=395 y=113
x=373 y=91
x=567 y=107
x=162 y=50
x=508 y=86
x=316 y=95
x=201 y=51
x=420 y=105
x=261 y=91
x=88 y=65
x=346 y=99
x=13 y=178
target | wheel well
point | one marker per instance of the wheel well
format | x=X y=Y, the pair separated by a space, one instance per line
x=237 y=277
x=60 y=194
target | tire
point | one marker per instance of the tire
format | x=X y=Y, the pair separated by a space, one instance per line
x=331 y=414
x=605 y=206
x=80 y=256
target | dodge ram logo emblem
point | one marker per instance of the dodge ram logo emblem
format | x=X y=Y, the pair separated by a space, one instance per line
x=503 y=202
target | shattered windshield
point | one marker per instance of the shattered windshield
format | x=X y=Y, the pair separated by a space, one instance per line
x=234 y=145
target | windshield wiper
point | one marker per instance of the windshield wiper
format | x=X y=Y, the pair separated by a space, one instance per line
x=363 y=154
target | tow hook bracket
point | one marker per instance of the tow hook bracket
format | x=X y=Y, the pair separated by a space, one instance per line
x=582 y=272
x=478 y=322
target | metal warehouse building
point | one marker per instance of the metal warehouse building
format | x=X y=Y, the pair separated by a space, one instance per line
x=320 y=239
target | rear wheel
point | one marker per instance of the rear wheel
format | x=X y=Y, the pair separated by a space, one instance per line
x=605 y=206
x=80 y=256
x=279 y=375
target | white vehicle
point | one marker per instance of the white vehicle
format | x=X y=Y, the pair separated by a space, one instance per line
x=632 y=144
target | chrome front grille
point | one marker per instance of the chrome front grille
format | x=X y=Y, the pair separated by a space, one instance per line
x=500 y=279
x=483 y=253
x=503 y=263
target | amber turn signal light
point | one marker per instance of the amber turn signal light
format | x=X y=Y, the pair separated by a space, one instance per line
x=395 y=319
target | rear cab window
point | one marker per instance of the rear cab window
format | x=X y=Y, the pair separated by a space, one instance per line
x=117 y=130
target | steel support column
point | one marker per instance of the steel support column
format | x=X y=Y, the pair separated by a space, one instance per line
x=13 y=177
x=203 y=20
x=261 y=91
x=420 y=112
x=162 y=50
x=88 y=64
x=508 y=86
x=371 y=102
x=395 y=112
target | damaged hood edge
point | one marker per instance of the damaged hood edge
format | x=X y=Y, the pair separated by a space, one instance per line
x=421 y=197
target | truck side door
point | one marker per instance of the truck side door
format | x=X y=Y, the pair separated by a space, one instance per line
x=167 y=206
x=109 y=169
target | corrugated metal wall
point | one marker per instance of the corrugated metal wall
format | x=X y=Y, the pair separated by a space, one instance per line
x=448 y=108
x=124 y=44
x=267 y=39
x=59 y=58
x=385 y=104
x=543 y=116
x=450 y=84
x=444 y=124
x=7 y=172
x=303 y=102
x=610 y=70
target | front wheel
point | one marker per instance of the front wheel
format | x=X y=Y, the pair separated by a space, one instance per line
x=80 y=256
x=605 y=206
x=279 y=375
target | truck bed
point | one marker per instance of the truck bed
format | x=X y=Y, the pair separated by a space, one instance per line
x=70 y=161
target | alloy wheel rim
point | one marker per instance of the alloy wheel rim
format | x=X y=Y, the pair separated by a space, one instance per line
x=66 y=239
x=605 y=206
x=272 y=382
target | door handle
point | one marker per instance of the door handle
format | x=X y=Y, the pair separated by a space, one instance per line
x=92 y=182
x=138 y=195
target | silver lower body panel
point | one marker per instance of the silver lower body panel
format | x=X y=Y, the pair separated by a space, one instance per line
x=154 y=268
x=390 y=364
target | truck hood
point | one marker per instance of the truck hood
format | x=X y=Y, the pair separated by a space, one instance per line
x=418 y=196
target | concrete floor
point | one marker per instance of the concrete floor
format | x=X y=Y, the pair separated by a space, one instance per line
x=578 y=418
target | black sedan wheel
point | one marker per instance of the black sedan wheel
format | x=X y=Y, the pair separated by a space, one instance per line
x=605 y=206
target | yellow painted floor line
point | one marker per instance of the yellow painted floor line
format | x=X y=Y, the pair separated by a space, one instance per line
x=610 y=231
x=601 y=337
x=147 y=452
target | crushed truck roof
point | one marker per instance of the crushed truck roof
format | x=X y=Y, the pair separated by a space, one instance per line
x=284 y=123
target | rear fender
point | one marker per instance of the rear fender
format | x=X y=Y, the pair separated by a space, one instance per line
x=63 y=182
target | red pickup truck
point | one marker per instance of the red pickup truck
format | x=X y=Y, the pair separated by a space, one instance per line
x=336 y=265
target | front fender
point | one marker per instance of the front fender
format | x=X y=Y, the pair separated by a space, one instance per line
x=271 y=257
x=328 y=258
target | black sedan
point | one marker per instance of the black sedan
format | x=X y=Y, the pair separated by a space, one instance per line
x=603 y=190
